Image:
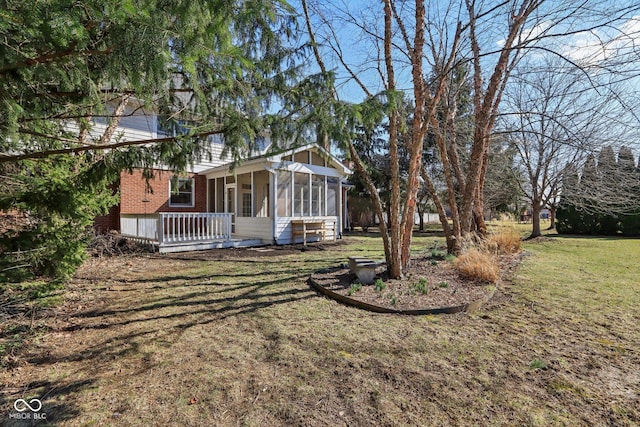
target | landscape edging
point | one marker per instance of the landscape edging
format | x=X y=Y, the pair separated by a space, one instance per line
x=469 y=307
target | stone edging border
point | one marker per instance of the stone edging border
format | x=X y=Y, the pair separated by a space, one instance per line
x=472 y=306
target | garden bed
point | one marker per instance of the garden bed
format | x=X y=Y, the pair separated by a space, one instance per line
x=432 y=286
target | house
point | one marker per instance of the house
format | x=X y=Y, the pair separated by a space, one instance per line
x=290 y=197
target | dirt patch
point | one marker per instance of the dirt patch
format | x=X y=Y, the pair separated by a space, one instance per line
x=431 y=284
x=255 y=252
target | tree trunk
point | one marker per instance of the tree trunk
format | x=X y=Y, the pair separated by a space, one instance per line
x=552 y=217
x=394 y=258
x=536 y=208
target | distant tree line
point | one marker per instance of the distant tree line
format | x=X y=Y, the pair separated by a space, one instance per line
x=604 y=198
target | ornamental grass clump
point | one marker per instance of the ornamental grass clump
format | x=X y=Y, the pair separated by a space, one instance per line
x=477 y=264
x=504 y=243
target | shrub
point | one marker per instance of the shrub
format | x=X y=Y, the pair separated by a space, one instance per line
x=504 y=243
x=355 y=287
x=421 y=286
x=478 y=265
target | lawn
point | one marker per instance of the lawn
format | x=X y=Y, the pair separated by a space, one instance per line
x=239 y=338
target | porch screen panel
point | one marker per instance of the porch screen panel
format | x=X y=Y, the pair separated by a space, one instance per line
x=332 y=196
x=261 y=192
x=317 y=195
x=245 y=196
x=219 y=195
x=284 y=193
x=300 y=194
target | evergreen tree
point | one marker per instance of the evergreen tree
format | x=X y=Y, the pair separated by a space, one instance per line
x=209 y=67
x=587 y=196
x=608 y=187
x=568 y=219
x=630 y=175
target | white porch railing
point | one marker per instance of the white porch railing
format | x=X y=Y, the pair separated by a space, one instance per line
x=174 y=227
x=193 y=227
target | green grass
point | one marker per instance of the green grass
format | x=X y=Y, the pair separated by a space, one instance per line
x=138 y=337
x=566 y=270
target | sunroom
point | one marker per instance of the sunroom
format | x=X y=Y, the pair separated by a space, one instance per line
x=293 y=197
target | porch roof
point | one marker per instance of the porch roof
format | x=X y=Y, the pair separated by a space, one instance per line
x=275 y=162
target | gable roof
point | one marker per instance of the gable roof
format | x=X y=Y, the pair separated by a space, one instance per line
x=275 y=161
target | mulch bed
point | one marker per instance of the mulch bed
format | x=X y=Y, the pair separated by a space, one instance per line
x=431 y=284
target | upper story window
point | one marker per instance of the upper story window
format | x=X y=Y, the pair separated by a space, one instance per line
x=166 y=127
x=181 y=192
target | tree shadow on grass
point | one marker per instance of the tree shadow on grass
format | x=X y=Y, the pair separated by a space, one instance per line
x=99 y=339
x=53 y=411
x=590 y=237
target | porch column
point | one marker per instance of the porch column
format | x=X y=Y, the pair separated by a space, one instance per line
x=207 y=207
x=253 y=196
x=273 y=208
x=340 y=210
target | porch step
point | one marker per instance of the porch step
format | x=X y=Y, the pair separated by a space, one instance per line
x=201 y=246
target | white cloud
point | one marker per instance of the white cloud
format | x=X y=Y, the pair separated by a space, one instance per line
x=593 y=47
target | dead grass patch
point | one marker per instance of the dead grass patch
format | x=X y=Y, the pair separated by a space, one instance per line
x=504 y=242
x=478 y=264
x=221 y=341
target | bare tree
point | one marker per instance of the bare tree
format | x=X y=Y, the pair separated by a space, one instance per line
x=551 y=122
x=425 y=52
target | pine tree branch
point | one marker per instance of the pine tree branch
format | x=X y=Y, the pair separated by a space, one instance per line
x=5 y=158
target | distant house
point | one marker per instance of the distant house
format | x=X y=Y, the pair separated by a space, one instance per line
x=290 y=197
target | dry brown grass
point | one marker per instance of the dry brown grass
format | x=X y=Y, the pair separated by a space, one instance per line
x=242 y=340
x=478 y=264
x=504 y=243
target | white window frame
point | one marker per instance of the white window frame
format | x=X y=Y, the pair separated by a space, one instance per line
x=193 y=192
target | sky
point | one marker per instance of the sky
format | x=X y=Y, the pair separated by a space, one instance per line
x=606 y=52
x=585 y=44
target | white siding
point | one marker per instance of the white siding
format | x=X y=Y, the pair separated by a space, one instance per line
x=284 y=228
x=144 y=227
x=255 y=228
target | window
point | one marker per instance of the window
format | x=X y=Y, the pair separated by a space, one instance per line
x=246 y=204
x=317 y=195
x=301 y=194
x=333 y=196
x=170 y=127
x=284 y=193
x=181 y=192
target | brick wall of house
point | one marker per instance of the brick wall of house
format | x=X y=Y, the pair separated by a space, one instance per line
x=110 y=221
x=133 y=191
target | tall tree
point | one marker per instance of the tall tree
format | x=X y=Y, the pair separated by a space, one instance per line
x=608 y=186
x=214 y=67
x=629 y=175
x=71 y=71
x=413 y=49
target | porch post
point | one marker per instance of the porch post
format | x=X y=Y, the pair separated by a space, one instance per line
x=207 y=207
x=253 y=196
x=310 y=189
x=273 y=208
x=341 y=210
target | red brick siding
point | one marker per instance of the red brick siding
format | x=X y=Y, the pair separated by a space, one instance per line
x=132 y=193
x=110 y=221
